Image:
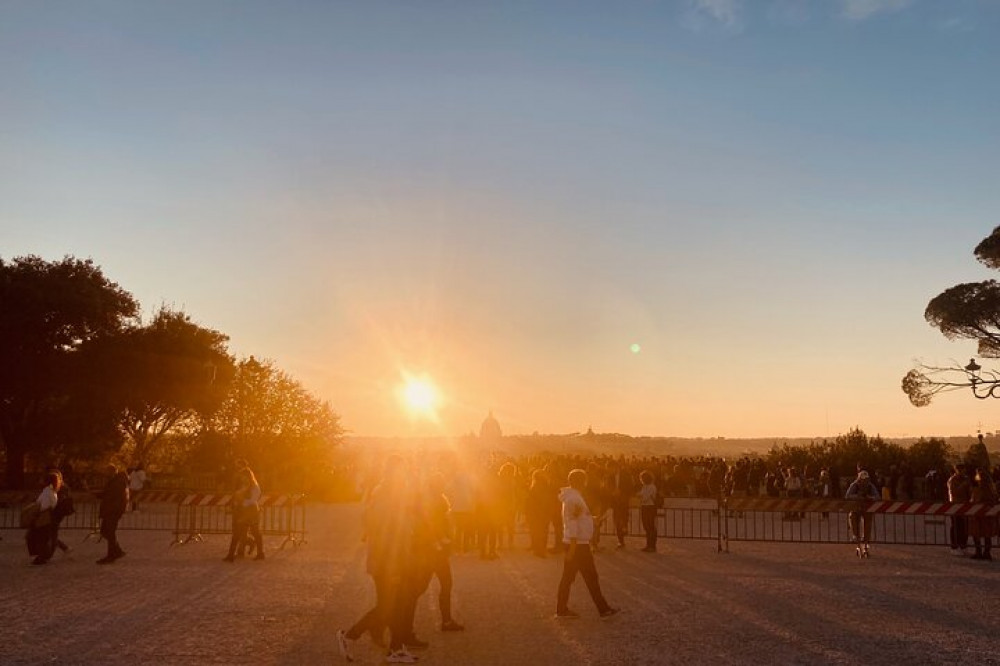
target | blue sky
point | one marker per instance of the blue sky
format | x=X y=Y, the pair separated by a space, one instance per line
x=505 y=196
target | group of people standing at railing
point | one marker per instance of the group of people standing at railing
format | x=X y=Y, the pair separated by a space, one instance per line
x=54 y=503
x=972 y=483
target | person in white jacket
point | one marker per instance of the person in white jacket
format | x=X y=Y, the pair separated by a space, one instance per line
x=578 y=532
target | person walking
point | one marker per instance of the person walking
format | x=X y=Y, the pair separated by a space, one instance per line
x=578 y=532
x=113 y=504
x=389 y=533
x=40 y=537
x=432 y=551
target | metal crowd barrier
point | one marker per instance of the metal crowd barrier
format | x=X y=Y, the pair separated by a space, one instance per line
x=677 y=518
x=804 y=520
x=188 y=516
x=200 y=514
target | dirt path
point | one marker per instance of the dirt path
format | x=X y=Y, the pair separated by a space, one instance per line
x=760 y=604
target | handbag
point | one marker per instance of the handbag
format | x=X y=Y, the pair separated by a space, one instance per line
x=44 y=518
x=29 y=514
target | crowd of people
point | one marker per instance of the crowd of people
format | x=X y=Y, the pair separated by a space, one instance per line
x=415 y=517
x=420 y=511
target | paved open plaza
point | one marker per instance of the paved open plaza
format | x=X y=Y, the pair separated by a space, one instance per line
x=687 y=604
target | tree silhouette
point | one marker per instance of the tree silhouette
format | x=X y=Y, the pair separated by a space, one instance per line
x=968 y=311
x=51 y=315
x=164 y=375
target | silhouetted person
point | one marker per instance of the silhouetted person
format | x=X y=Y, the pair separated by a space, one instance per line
x=648 y=505
x=536 y=512
x=389 y=533
x=64 y=508
x=862 y=489
x=114 y=501
x=40 y=537
x=959 y=490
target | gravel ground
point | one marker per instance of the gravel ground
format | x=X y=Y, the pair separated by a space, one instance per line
x=687 y=604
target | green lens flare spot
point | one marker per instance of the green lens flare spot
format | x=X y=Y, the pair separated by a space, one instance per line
x=635 y=348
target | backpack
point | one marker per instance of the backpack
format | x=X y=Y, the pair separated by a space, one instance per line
x=64 y=507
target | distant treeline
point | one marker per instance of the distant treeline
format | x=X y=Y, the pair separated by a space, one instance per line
x=842 y=452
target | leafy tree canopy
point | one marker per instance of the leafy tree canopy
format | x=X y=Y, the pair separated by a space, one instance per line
x=162 y=374
x=49 y=312
x=968 y=311
x=287 y=435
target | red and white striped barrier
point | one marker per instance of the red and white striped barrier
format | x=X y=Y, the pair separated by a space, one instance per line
x=217 y=499
x=872 y=506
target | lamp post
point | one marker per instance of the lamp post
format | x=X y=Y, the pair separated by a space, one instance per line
x=982 y=388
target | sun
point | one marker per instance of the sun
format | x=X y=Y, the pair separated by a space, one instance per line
x=420 y=397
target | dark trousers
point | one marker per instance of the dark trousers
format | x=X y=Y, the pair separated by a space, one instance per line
x=648 y=514
x=959 y=531
x=465 y=530
x=582 y=562
x=442 y=569
x=389 y=611
x=538 y=529
x=489 y=533
x=40 y=542
x=437 y=563
x=620 y=515
x=557 y=526
x=238 y=539
x=109 y=531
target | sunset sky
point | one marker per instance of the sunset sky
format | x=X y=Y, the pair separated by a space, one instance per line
x=505 y=197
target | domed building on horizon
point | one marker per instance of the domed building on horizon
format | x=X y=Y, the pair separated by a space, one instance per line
x=490 y=430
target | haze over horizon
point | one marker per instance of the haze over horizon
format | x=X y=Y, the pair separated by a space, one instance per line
x=695 y=218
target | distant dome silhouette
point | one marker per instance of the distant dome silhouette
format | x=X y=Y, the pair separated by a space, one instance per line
x=490 y=429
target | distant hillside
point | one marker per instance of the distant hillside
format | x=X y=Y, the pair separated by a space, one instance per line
x=616 y=443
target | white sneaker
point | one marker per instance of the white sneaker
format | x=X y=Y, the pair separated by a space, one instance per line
x=401 y=656
x=342 y=644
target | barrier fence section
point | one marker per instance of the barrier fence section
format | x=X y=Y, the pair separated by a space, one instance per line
x=188 y=516
x=677 y=518
x=917 y=523
x=200 y=514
